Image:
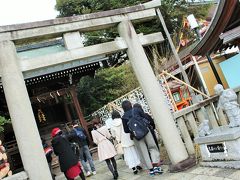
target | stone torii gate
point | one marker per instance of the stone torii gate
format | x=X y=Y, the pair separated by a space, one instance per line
x=14 y=69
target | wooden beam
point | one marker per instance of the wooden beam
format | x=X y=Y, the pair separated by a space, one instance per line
x=66 y=109
x=49 y=95
x=81 y=118
x=194 y=107
x=230 y=35
x=168 y=74
x=177 y=58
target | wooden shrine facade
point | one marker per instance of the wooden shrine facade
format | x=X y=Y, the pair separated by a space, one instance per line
x=54 y=102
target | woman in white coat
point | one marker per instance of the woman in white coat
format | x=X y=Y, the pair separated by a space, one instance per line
x=106 y=150
x=131 y=156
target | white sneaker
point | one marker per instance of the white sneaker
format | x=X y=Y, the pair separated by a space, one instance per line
x=88 y=174
x=94 y=172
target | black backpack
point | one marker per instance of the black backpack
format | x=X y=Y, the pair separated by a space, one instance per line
x=75 y=148
x=137 y=126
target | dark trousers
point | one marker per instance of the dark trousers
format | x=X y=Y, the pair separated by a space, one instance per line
x=112 y=165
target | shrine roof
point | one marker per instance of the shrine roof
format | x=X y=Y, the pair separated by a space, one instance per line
x=60 y=79
x=226 y=17
x=56 y=77
x=231 y=35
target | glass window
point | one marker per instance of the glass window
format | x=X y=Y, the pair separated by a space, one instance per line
x=177 y=97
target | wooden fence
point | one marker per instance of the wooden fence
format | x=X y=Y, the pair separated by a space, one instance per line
x=189 y=118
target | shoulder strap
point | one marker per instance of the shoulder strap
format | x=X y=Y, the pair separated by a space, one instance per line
x=76 y=131
x=102 y=135
x=132 y=112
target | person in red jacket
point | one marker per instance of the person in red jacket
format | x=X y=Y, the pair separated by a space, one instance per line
x=68 y=161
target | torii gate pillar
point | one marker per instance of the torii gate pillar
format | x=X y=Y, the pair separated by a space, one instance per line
x=22 y=118
x=155 y=97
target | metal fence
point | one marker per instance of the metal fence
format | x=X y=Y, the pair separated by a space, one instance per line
x=187 y=119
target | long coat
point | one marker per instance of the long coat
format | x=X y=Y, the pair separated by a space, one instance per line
x=63 y=150
x=118 y=132
x=106 y=149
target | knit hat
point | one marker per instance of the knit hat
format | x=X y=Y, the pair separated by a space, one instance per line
x=75 y=125
x=55 y=131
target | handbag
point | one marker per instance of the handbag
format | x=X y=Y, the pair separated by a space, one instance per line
x=111 y=140
x=119 y=148
x=118 y=145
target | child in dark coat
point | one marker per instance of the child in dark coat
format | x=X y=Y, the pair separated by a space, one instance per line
x=67 y=159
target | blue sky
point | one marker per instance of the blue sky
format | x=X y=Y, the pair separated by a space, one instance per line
x=22 y=11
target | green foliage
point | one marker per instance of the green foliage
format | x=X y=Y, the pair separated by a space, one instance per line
x=77 y=7
x=107 y=85
x=3 y=121
x=173 y=12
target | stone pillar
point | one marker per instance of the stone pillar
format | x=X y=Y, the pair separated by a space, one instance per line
x=153 y=94
x=73 y=40
x=20 y=109
x=79 y=112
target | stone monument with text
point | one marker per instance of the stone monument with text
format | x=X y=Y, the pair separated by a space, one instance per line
x=220 y=147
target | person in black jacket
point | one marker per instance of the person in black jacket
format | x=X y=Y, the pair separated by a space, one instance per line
x=150 y=121
x=67 y=159
x=84 y=152
x=146 y=146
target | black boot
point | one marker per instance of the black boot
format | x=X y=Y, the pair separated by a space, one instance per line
x=115 y=175
x=82 y=175
x=135 y=171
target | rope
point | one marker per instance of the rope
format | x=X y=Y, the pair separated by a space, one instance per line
x=197 y=152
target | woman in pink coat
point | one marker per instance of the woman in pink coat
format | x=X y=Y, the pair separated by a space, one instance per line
x=106 y=150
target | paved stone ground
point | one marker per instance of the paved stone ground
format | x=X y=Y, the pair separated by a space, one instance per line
x=195 y=173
